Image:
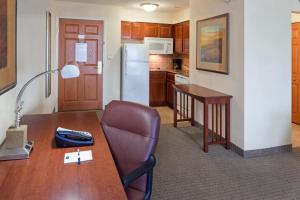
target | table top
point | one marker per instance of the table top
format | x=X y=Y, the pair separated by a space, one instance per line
x=199 y=91
x=45 y=176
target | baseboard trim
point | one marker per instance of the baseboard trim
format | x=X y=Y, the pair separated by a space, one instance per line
x=257 y=152
x=268 y=151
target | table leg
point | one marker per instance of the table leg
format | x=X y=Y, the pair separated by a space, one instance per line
x=175 y=108
x=193 y=112
x=205 y=131
x=227 y=126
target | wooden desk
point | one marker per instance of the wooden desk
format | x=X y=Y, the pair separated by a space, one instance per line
x=45 y=176
x=188 y=94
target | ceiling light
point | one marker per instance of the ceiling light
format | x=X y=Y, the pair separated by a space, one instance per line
x=149 y=7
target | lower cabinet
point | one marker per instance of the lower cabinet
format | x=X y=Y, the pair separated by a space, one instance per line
x=170 y=89
x=157 y=88
x=161 y=88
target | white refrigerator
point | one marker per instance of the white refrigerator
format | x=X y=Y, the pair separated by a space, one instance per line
x=135 y=73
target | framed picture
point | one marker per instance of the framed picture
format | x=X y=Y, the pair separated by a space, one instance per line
x=212 y=44
x=8 y=68
x=48 y=54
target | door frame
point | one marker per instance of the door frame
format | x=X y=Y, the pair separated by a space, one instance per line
x=291 y=80
x=57 y=18
x=291 y=68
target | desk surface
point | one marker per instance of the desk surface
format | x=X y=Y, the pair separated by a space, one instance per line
x=45 y=176
x=199 y=91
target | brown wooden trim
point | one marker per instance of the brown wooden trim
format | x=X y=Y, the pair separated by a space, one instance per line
x=9 y=87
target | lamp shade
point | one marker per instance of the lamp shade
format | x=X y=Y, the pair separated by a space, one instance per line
x=70 y=71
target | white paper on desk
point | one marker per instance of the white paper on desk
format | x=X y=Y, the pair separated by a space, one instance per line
x=73 y=156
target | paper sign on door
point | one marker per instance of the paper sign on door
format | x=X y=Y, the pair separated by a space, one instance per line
x=81 y=52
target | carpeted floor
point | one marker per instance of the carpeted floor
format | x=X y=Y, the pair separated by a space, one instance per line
x=185 y=172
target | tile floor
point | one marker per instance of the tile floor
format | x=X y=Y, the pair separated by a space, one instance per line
x=295 y=135
x=166 y=114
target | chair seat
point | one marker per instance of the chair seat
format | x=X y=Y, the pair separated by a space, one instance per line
x=134 y=194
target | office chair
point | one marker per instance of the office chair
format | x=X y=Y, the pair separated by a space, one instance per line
x=132 y=132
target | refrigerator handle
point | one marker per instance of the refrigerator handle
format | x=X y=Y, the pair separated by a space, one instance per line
x=125 y=61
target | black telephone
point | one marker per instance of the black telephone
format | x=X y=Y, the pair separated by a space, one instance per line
x=71 y=138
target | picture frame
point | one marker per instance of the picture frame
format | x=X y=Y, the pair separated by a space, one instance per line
x=48 y=55
x=8 y=45
x=213 y=44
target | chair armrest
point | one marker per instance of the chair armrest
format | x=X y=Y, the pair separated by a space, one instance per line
x=145 y=168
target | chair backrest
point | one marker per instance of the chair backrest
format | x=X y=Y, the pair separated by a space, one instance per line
x=132 y=132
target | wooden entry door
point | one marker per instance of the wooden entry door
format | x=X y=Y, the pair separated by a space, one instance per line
x=85 y=92
x=296 y=73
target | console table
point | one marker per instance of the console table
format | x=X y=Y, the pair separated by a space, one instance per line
x=216 y=102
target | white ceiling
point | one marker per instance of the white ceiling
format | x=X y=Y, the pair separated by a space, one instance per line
x=164 y=5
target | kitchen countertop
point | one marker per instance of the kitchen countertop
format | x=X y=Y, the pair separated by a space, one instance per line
x=180 y=72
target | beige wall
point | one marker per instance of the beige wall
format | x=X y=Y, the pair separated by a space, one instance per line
x=295 y=17
x=181 y=15
x=234 y=82
x=30 y=60
x=260 y=68
x=267 y=73
x=142 y=16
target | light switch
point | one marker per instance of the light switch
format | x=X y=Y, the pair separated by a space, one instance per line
x=110 y=57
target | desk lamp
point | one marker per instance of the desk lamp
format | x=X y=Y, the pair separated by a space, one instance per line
x=16 y=146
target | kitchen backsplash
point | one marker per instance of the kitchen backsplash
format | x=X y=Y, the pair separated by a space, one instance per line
x=162 y=62
x=165 y=62
x=185 y=62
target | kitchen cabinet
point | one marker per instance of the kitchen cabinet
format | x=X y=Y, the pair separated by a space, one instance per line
x=186 y=37
x=178 y=38
x=182 y=38
x=137 y=31
x=170 y=89
x=126 y=30
x=165 y=30
x=157 y=88
x=151 y=30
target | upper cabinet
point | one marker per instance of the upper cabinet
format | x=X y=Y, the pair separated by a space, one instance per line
x=186 y=37
x=126 y=30
x=178 y=38
x=166 y=30
x=151 y=30
x=182 y=38
x=132 y=30
x=137 y=31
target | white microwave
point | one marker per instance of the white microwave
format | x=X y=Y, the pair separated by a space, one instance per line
x=159 y=45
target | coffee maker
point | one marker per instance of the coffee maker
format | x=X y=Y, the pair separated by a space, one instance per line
x=177 y=63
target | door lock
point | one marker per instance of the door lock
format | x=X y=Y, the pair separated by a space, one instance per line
x=99 y=67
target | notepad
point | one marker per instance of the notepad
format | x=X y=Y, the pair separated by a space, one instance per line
x=73 y=157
